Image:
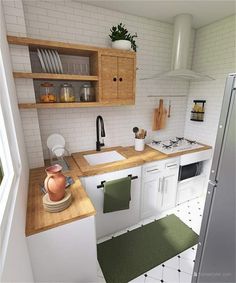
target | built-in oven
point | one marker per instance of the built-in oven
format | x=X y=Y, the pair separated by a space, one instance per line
x=190 y=170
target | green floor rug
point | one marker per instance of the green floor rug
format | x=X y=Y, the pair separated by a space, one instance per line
x=129 y=255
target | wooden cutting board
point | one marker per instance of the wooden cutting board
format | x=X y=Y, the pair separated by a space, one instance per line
x=159 y=118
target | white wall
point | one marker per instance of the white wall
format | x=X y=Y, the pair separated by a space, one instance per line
x=15 y=25
x=75 y=22
x=17 y=267
x=215 y=55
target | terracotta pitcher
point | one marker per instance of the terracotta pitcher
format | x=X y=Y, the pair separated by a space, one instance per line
x=55 y=183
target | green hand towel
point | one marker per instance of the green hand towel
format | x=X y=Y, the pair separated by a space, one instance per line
x=117 y=195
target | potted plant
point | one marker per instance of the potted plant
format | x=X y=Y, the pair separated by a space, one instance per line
x=122 y=39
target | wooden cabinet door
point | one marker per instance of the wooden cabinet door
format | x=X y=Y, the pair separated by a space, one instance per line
x=126 y=78
x=109 y=77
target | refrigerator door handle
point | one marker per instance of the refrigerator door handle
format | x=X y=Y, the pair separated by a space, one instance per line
x=212 y=183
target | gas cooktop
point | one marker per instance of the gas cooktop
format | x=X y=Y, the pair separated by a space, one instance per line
x=174 y=145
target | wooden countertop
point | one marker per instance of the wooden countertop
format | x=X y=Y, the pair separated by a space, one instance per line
x=38 y=220
x=133 y=159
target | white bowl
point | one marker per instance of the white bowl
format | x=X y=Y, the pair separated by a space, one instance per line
x=121 y=44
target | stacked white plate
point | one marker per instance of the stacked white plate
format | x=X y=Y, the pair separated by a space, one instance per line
x=56 y=144
x=57 y=206
x=50 y=61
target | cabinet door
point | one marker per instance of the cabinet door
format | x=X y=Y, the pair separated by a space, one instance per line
x=109 y=223
x=150 y=194
x=109 y=77
x=169 y=189
x=126 y=78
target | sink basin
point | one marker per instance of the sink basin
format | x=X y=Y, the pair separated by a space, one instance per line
x=103 y=157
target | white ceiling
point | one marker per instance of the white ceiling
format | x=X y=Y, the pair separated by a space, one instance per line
x=204 y=12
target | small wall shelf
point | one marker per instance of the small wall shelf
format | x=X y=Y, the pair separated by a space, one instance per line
x=50 y=76
x=198 y=111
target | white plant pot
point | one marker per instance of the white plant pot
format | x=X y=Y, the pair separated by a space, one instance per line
x=139 y=144
x=121 y=44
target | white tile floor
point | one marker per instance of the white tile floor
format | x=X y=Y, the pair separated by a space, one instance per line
x=178 y=269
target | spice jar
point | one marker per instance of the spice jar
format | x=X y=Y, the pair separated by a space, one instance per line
x=47 y=92
x=67 y=93
x=87 y=93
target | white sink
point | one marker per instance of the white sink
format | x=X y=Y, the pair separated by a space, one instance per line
x=103 y=157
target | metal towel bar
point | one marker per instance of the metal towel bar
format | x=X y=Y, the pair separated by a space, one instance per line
x=102 y=183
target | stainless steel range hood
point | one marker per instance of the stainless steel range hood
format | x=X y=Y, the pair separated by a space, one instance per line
x=180 y=52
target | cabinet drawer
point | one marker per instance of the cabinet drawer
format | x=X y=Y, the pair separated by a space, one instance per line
x=195 y=157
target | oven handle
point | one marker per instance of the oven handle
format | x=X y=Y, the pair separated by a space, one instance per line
x=172 y=165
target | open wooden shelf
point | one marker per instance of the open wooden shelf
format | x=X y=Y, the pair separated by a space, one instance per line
x=49 y=76
x=113 y=72
x=74 y=104
x=64 y=47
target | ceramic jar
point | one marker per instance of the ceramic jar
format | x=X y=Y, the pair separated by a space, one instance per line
x=55 y=183
x=139 y=144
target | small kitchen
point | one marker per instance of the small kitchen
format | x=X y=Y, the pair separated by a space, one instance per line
x=116 y=116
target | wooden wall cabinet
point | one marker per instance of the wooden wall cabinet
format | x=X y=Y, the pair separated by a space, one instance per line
x=112 y=72
x=117 y=78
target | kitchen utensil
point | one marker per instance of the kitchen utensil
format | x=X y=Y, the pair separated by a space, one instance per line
x=135 y=130
x=48 y=61
x=159 y=119
x=52 y=60
x=67 y=93
x=41 y=60
x=169 y=109
x=58 y=71
x=55 y=139
x=47 y=93
x=58 y=61
x=87 y=93
x=57 y=206
x=48 y=69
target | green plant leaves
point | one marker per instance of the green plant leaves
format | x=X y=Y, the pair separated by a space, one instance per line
x=120 y=32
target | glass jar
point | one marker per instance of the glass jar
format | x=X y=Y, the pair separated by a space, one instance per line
x=47 y=93
x=67 y=93
x=87 y=93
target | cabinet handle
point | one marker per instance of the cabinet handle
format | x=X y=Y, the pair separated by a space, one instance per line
x=163 y=184
x=152 y=170
x=114 y=79
x=120 y=79
x=159 y=187
x=162 y=190
x=166 y=186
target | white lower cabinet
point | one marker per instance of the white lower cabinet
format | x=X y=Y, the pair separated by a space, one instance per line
x=159 y=186
x=108 y=223
x=191 y=188
x=66 y=253
x=168 y=190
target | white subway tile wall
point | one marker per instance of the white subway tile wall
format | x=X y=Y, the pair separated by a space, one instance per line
x=215 y=55
x=71 y=21
x=15 y=24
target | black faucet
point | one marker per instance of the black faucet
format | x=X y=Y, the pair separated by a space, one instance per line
x=98 y=143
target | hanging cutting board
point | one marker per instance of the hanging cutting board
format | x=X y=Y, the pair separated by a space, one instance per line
x=159 y=119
